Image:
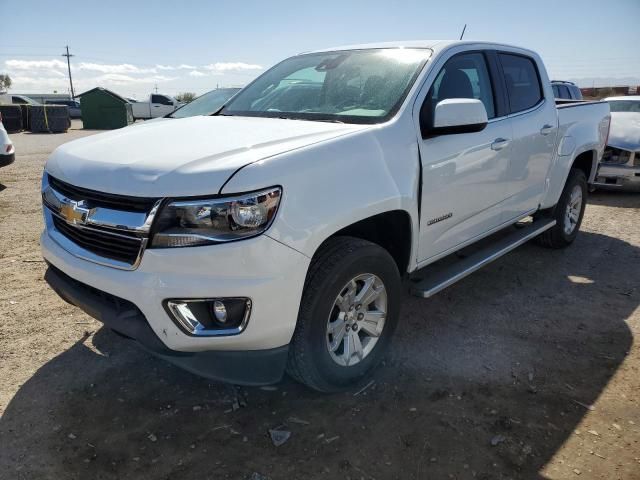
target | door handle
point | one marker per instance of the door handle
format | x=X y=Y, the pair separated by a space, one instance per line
x=546 y=129
x=499 y=144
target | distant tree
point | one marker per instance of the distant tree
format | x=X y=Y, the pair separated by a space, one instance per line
x=185 y=97
x=5 y=83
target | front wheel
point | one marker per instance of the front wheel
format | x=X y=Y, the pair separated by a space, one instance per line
x=568 y=212
x=348 y=313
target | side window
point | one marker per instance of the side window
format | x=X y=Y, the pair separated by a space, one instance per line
x=523 y=81
x=564 y=92
x=463 y=76
x=576 y=93
x=556 y=93
x=161 y=99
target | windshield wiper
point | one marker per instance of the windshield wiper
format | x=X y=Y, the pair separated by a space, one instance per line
x=328 y=120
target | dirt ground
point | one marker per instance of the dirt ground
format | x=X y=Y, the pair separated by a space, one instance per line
x=527 y=369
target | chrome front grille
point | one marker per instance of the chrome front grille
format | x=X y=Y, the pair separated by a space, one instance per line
x=113 y=246
x=100 y=227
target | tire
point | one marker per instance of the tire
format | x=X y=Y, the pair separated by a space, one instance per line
x=560 y=236
x=343 y=266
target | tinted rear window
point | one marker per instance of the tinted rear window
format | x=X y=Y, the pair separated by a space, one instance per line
x=576 y=93
x=563 y=92
x=523 y=81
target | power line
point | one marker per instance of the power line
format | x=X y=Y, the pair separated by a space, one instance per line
x=68 y=55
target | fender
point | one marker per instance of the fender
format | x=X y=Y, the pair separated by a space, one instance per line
x=331 y=185
x=577 y=140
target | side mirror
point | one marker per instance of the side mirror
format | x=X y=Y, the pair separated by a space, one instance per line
x=458 y=115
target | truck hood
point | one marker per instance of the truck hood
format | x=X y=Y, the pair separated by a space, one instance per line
x=182 y=157
x=625 y=131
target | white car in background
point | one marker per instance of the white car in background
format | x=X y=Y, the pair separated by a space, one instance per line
x=7 y=150
x=620 y=165
x=156 y=106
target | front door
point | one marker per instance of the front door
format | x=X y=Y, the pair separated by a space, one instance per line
x=463 y=174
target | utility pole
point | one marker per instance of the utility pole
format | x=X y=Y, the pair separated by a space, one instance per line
x=156 y=88
x=68 y=55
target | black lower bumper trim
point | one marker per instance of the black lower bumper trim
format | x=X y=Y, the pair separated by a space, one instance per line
x=7 y=159
x=251 y=367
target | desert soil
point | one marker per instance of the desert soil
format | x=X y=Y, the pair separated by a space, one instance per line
x=527 y=369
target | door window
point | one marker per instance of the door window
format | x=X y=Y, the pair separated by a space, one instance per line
x=563 y=92
x=161 y=99
x=575 y=92
x=523 y=81
x=463 y=76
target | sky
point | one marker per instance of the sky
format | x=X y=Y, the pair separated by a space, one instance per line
x=195 y=46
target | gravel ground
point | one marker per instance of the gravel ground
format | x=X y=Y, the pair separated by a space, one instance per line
x=526 y=369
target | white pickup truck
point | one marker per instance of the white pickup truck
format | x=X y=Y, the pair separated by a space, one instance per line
x=157 y=106
x=280 y=233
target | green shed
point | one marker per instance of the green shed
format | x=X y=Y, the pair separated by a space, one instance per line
x=103 y=109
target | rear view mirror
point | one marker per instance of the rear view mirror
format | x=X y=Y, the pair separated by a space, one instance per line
x=458 y=115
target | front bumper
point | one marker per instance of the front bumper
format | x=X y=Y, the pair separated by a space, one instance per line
x=7 y=159
x=258 y=367
x=618 y=177
x=269 y=273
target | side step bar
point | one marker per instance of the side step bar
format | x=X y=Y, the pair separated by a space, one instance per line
x=440 y=279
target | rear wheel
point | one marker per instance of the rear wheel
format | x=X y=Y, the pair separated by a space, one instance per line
x=568 y=212
x=349 y=311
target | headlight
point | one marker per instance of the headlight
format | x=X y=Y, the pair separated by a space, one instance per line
x=186 y=223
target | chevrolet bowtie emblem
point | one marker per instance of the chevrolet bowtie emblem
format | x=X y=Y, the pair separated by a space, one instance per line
x=74 y=212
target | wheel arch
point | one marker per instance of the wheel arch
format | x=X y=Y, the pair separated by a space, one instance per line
x=585 y=160
x=391 y=230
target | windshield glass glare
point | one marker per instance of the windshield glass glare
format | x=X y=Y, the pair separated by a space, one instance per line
x=205 y=104
x=352 y=86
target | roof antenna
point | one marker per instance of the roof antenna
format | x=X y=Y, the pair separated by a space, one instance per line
x=463 y=30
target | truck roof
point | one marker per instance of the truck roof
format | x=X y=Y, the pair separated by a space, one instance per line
x=432 y=44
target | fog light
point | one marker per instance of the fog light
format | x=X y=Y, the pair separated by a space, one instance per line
x=220 y=311
x=210 y=317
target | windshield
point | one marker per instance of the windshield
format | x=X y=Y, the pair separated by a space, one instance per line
x=353 y=86
x=625 y=106
x=205 y=104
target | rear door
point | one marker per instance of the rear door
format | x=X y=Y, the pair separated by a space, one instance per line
x=533 y=116
x=463 y=174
